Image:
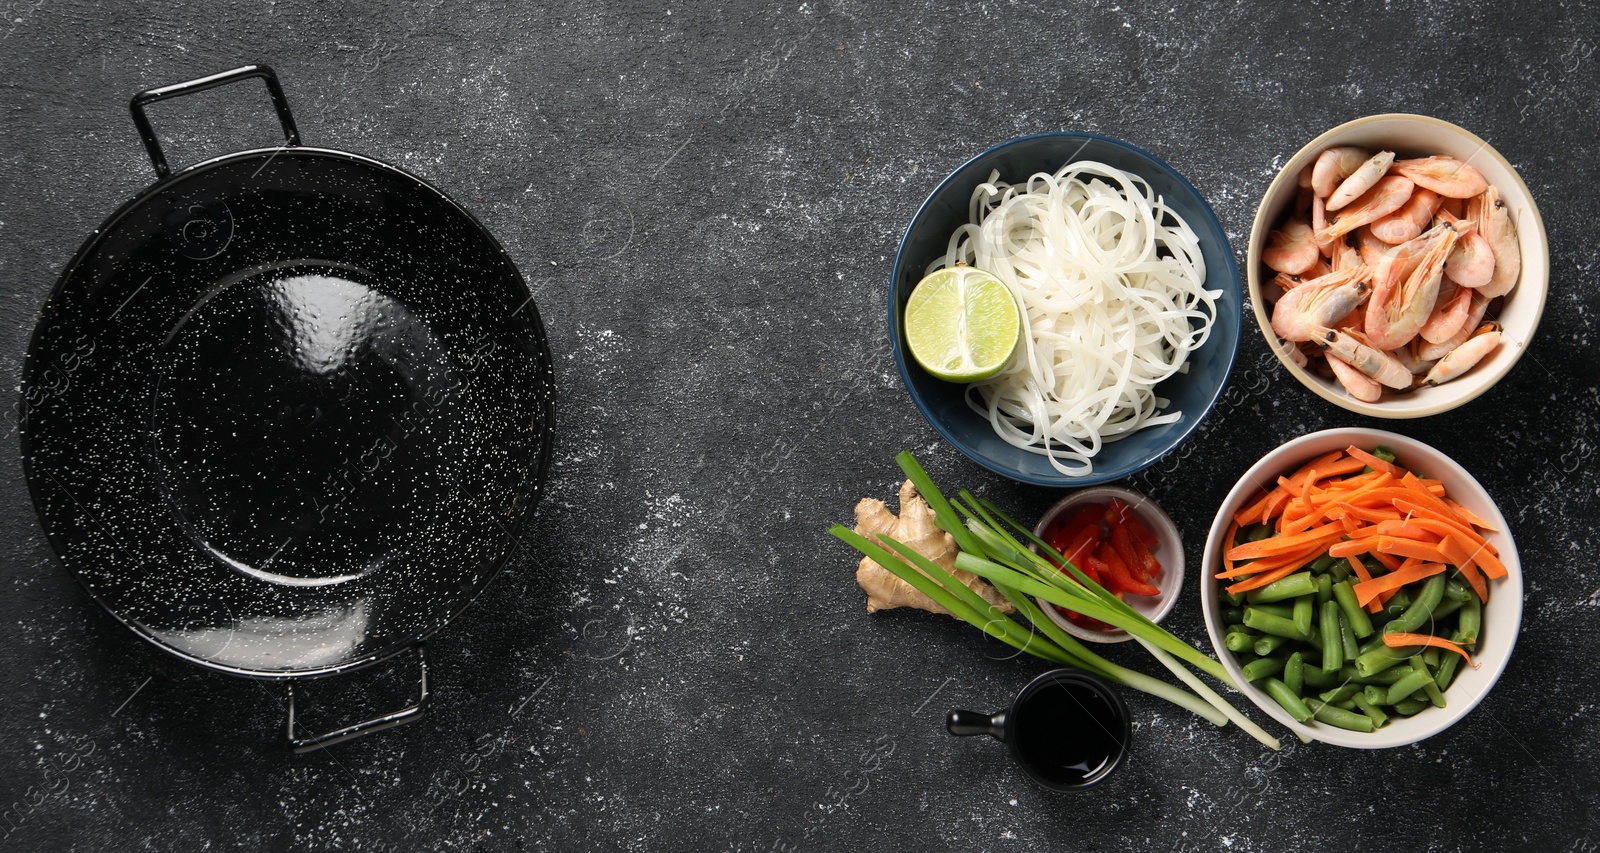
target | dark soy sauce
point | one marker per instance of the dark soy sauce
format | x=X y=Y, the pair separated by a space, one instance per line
x=1069 y=734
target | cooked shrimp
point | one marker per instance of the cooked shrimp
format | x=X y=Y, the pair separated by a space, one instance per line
x=1407 y=222
x=1362 y=179
x=1471 y=262
x=1449 y=315
x=1463 y=358
x=1292 y=248
x=1333 y=166
x=1494 y=222
x=1356 y=383
x=1397 y=311
x=1446 y=176
x=1430 y=352
x=1319 y=303
x=1344 y=256
x=1407 y=357
x=1351 y=348
x=1319 y=223
x=1373 y=251
x=1386 y=196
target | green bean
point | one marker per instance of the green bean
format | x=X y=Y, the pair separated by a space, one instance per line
x=1445 y=608
x=1232 y=614
x=1374 y=643
x=1447 y=671
x=1315 y=677
x=1408 y=707
x=1267 y=645
x=1409 y=685
x=1469 y=623
x=1237 y=626
x=1284 y=695
x=1232 y=599
x=1435 y=695
x=1340 y=570
x=1384 y=453
x=1262 y=667
x=1237 y=642
x=1346 y=636
x=1380 y=659
x=1340 y=693
x=1282 y=611
x=1431 y=688
x=1332 y=646
x=1346 y=596
x=1418 y=612
x=1376 y=694
x=1283 y=589
x=1302 y=615
x=1430 y=656
x=1345 y=704
x=1371 y=709
x=1294 y=670
x=1324 y=588
x=1456 y=589
x=1269 y=624
x=1322 y=563
x=1257 y=532
x=1401 y=597
x=1384 y=678
x=1339 y=717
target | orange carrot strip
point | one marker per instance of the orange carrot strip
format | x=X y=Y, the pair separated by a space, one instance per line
x=1401 y=547
x=1464 y=563
x=1469 y=517
x=1370 y=513
x=1264 y=578
x=1371 y=461
x=1233 y=530
x=1276 y=561
x=1402 y=528
x=1400 y=638
x=1360 y=569
x=1388 y=562
x=1366 y=591
x=1275 y=503
x=1252 y=513
x=1325 y=534
x=1415 y=508
x=1350 y=488
x=1350 y=547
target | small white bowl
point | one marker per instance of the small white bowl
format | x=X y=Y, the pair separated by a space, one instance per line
x=1502 y=616
x=1169 y=550
x=1417 y=136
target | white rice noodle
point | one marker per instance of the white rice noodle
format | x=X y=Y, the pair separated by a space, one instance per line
x=1111 y=283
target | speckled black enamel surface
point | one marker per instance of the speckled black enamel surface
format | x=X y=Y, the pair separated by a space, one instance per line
x=287 y=411
x=705 y=201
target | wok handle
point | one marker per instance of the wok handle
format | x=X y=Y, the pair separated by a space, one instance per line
x=150 y=96
x=407 y=714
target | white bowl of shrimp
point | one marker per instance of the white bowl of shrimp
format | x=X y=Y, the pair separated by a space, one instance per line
x=1398 y=266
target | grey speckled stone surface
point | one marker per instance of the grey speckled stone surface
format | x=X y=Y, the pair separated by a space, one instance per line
x=705 y=201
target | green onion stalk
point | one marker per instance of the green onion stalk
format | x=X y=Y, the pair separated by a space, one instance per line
x=990 y=548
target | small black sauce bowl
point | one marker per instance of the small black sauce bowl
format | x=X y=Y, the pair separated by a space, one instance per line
x=1096 y=704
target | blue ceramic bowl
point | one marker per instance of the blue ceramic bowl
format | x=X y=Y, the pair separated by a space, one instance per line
x=1193 y=393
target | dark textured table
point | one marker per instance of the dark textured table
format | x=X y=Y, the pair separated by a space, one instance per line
x=705 y=202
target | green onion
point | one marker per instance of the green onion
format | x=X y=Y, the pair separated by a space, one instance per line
x=990 y=548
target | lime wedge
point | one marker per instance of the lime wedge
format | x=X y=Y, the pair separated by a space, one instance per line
x=962 y=324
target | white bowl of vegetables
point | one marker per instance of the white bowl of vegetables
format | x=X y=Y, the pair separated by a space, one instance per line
x=1362 y=588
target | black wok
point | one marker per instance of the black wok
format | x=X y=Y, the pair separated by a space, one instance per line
x=287 y=411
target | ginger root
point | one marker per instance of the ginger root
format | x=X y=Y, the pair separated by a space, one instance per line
x=915 y=528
